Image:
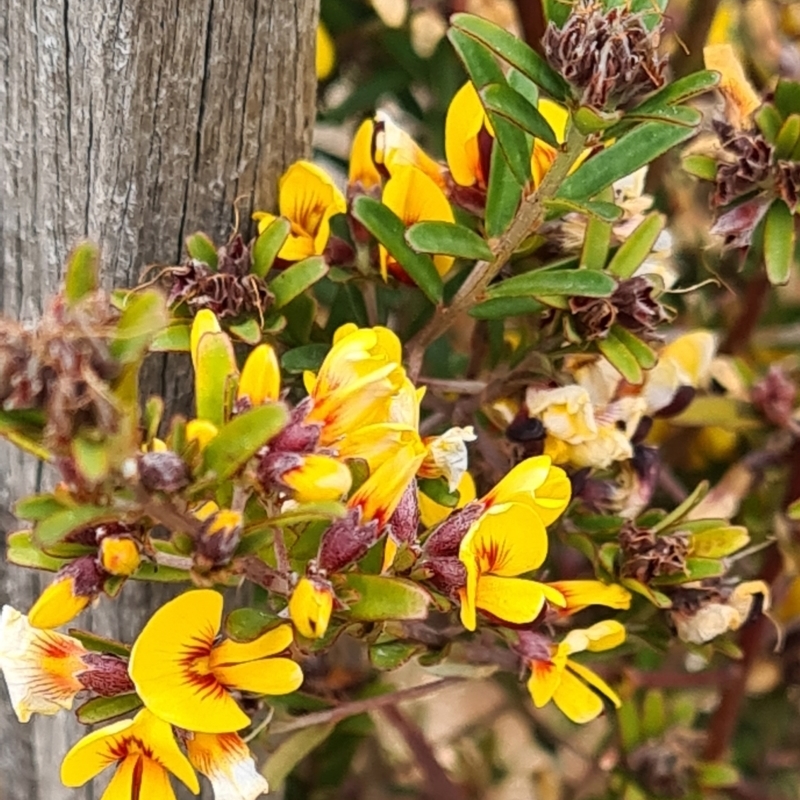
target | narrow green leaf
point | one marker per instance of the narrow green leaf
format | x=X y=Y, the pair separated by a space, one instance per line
x=654 y=714
x=296 y=279
x=787 y=97
x=677 y=115
x=82 y=273
x=145 y=315
x=514 y=51
x=59 y=525
x=38 y=506
x=506 y=102
x=175 y=338
x=567 y=282
x=697 y=569
x=502 y=307
x=102 y=709
x=718 y=542
x=448 y=238
x=557 y=11
x=703 y=167
x=480 y=64
x=788 y=137
x=100 y=644
x=268 y=245
x=389 y=230
x=717 y=775
x=635 y=249
x=216 y=372
x=641 y=351
x=658 y=599
x=516 y=146
x=391 y=655
x=680 y=91
x=621 y=358
x=292 y=751
x=307 y=357
x=503 y=195
x=769 y=122
x=630 y=152
x=699 y=492
x=378 y=598
x=589 y=120
x=596 y=244
x=246 y=624
x=438 y=491
x=241 y=438
x=22 y=550
x=91 y=458
x=779 y=241
x=523 y=85
x=248 y=331
x=157 y=573
x=628 y=723
x=202 y=249
x=594 y=209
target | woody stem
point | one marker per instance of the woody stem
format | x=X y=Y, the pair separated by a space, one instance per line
x=529 y=217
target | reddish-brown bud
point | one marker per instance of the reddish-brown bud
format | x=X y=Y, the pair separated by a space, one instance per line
x=774 y=396
x=345 y=541
x=445 y=540
x=163 y=471
x=105 y=675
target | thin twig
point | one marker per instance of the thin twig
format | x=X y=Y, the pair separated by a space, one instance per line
x=456 y=386
x=346 y=710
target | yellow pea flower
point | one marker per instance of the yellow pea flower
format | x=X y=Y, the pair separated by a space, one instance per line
x=569 y=684
x=544 y=154
x=582 y=593
x=260 y=380
x=41 y=667
x=414 y=197
x=186 y=677
x=507 y=540
x=393 y=148
x=326 y=53
x=741 y=99
x=308 y=198
x=356 y=382
x=144 y=751
x=311 y=606
x=318 y=478
x=431 y=513
x=73 y=588
x=468 y=138
x=227 y=762
x=362 y=171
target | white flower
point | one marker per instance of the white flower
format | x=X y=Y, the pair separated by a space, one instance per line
x=447 y=455
x=566 y=412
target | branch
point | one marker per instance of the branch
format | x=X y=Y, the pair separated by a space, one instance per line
x=529 y=217
x=355 y=707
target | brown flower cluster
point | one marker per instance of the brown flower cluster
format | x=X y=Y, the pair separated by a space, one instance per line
x=645 y=555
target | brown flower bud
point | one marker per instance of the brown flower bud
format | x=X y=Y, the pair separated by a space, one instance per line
x=593 y=316
x=105 y=675
x=448 y=574
x=637 y=309
x=747 y=164
x=404 y=522
x=218 y=540
x=445 y=540
x=163 y=471
x=298 y=436
x=609 y=56
x=345 y=541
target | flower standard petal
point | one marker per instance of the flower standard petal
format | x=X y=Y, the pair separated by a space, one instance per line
x=58 y=604
x=170 y=665
x=543 y=682
x=272 y=676
x=226 y=761
x=465 y=119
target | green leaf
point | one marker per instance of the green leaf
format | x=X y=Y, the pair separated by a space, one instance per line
x=677 y=115
x=503 y=195
x=241 y=438
x=793 y=511
x=307 y=357
x=480 y=64
x=621 y=358
x=703 y=167
x=523 y=85
x=596 y=244
x=246 y=624
x=779 y=242
x=391 y=655
x=654 y=714
x=716 y=775
x=22 y=550
x=718 y=542
x=658 y=599
x=680 y=91
x=248 y=331
x=589 y=120
x=379 y=598
x=175 y=338
x=102 y=709
x=557 y=11
x=202 y=249
x=699 y=492
x=448 y=238
x=503 y=307
x=438 y=491
x=769 y=122
x=787 y=97
x=635 y=249
x=36 y=507
x=593 y=209
x=158 y=573
x=630 y=152
x=389 y=230
x=215 y=374
x=725 y=412
x=59 y=525
x=91 y=458
x=504 y=101
x=145 y=314
x=567 y=282
x=642 y=352
x=296 y=279
x=100 y=644
x=516 y=146
x=292 y=751
x=628 y=723
x=268 y=245
x=697 y=569
x=788 y=137
x=515 y=52
x=82 y=273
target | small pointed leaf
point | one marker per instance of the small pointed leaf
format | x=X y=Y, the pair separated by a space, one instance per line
x=779 y=242
x=268 y=245
x=567 y=282
x=296 y=279
x=448 y=238
x=202 y=249
x=82 y=273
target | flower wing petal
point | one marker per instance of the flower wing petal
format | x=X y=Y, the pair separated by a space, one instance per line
x=513 y=600
x=266 y=676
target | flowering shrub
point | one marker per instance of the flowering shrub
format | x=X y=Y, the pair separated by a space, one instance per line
x=434 y=415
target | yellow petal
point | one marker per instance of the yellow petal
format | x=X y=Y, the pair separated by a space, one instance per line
x=507 y=540
x=465 y=119
x=160 y=740
x=261 y=376
x=92 y=754
x=432 y=513
x=362 y=168
x=226 y=761
x=268 y=676
x=512 y=600
x=58 y=604
x=741 y=99
x=201 y=431
x=543 y=682
x=390 y=548
x=310 y=608
x=394 y=149
x=268 y=644
x=119 y=555
x=576 y=700
x=264 y=220
x=203 y=323
x=580 y=594
x=594 y=680
x=170 y=665
x=466 y=597
x=326 y=53
x=601 y=636
x=318 y=478
x=556 y=117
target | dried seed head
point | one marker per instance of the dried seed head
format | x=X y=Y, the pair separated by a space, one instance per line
x=609 y=56
x=646 y=555
x=787 y=181
x=665 y=767
x=747 y=164
x=637 y=309
x=593 y=316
